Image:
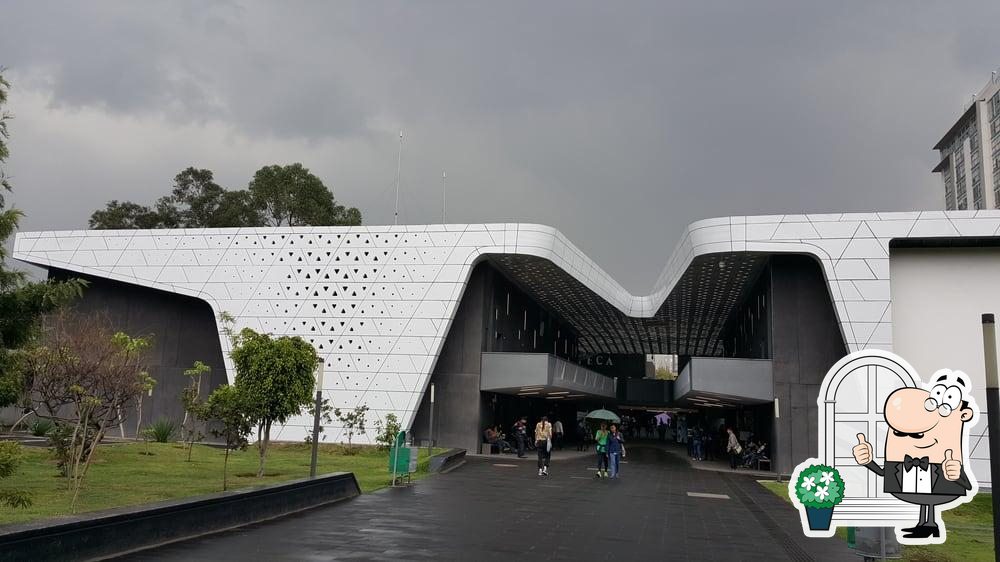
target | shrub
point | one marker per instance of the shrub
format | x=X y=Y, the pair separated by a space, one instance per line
x=41 y=427
x=10 y=458
x=64 y=441
x=162 y=430
x=386 y=435
x=820 y=486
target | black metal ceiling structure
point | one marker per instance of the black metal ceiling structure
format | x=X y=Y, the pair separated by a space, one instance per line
x=689 y=322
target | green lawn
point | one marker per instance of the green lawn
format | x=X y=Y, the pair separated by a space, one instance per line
x=121 y=475
x=970 y=531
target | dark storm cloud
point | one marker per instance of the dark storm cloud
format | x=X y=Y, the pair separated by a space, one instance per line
x=618 y=123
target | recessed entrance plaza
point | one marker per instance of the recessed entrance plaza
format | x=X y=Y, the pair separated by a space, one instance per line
x=493 y=508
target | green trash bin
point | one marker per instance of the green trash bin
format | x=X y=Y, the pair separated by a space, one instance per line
x=402 y=459
x=850 y=537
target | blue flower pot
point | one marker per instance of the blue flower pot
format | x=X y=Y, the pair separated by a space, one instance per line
x=819 y=518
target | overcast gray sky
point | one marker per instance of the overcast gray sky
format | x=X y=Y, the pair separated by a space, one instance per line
x=617 y=123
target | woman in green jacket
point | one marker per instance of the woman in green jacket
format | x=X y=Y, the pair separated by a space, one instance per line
x=601 y=437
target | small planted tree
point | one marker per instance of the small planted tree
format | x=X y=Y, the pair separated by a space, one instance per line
x=353 y=422
x=227 y=410
x=386 y=433
x=86 y=378
x=10 y=459
x=191 y=398
x=324 y=416
x=147 y=390
x=275 y=378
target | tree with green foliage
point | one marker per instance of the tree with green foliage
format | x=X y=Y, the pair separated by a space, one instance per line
x=227 y=410
x=10 y=459
x=665 y=374
x=86 y=378
x=277 y=195
x=275 y=376
x=353 y=422
x=125 y=215
x=325 y=417
x=193 y=405
x=22 y=303
x=293 y=196
x=386 y=433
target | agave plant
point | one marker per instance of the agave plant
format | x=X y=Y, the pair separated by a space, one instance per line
x=162 y=430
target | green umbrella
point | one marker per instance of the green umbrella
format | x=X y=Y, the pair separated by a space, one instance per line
x=604 y=415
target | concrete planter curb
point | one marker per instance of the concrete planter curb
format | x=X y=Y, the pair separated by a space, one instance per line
x=105 y=534
x=446 y=461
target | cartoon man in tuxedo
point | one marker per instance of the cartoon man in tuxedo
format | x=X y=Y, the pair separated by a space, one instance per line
x=923 y=446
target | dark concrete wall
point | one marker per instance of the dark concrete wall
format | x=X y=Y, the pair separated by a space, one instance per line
x=458 y=403
x=516 y=323
x=806 y=341
x=182 y=329
x=748 y=330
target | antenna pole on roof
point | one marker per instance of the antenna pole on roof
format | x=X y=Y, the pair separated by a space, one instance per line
x=399 y=161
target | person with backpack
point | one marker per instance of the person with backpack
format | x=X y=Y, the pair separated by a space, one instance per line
x=733 y=448
x=601 y=439
x=543 y=443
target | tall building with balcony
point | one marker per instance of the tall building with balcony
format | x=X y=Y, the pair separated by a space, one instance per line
x=970 y=153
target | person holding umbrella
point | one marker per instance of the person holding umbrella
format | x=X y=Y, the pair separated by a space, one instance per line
x=604 y=417
x=601 y=438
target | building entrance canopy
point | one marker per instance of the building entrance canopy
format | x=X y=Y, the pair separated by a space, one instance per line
x=714 y=382
x=539 y=375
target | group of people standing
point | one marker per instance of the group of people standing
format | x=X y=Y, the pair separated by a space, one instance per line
x=610 y=451
x=610 y=445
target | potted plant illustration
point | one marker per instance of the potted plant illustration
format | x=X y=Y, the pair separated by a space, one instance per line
x=819 y=489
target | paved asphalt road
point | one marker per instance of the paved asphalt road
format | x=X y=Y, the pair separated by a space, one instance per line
x=493 y=508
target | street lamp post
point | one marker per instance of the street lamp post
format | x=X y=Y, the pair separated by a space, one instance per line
x=430 y=429
x=993 y=418
x=316 y=415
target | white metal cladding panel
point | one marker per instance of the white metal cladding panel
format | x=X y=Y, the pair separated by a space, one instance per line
x=852 y=249
x=377 y=301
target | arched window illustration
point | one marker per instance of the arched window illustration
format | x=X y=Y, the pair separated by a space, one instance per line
x=852 y=401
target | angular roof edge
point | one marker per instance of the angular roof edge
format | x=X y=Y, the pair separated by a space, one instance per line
x=828 y=237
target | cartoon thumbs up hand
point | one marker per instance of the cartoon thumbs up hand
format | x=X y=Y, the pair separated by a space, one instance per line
x=863 y=450
x=952 y=468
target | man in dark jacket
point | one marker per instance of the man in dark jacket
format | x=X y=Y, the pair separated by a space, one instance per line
x=521 y=434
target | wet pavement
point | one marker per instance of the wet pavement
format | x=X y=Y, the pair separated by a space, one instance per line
x=493 y=509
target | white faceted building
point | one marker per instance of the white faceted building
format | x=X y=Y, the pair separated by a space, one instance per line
x=513 y=319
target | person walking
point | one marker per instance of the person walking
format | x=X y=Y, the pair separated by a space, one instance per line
x=733 y=448
x=543 y=444
x=582 y=435
x=615 y=450
x=601 y=439
x=521 y=435
x=699 y=454
x=557 y=429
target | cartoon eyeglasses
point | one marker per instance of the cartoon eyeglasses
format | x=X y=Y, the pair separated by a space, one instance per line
x=944 y=399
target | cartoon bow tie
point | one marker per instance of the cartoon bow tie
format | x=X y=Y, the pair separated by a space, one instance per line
x=910 y=462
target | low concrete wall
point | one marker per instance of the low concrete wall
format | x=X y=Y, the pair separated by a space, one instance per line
x=443 y=462
x=110 y=533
